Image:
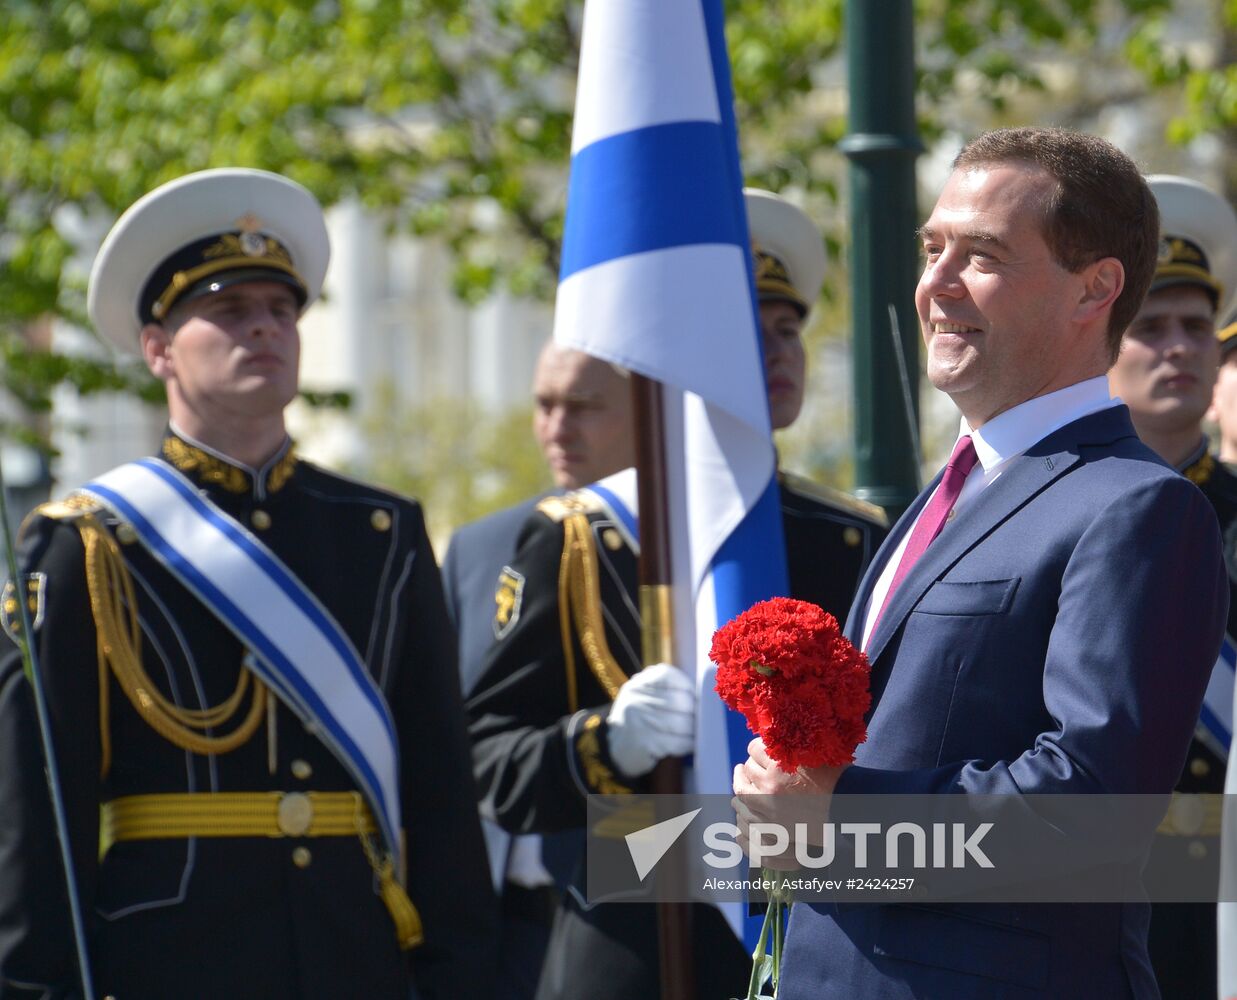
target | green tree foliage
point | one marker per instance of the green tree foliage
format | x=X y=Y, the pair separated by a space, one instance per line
x=451 y=117
x=461 y=461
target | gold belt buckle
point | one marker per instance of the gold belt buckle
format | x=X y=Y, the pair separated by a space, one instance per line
x=295 y=814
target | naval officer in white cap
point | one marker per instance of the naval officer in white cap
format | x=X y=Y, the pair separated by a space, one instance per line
x=1165 y=373
x=246 y=665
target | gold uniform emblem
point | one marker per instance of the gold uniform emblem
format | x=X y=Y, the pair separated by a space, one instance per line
x=10 y=610
x=508 y=596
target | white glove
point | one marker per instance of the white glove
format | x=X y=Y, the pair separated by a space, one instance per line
x=653 y=716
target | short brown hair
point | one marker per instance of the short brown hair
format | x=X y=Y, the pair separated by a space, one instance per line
x=1102 y=206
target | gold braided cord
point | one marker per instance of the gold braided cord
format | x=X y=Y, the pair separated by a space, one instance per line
x=114 y=605
x=404 y=914
x=105 y=726
x=564 y=618
x=585 y=600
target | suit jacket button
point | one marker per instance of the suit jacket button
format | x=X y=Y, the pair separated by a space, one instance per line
x=302 y=770
x=1199 y=767
x=301 y=857
x=381 y=520
x=260 y=520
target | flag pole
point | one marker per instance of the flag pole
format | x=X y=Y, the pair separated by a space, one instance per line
x=30 y=664
x=657 y=646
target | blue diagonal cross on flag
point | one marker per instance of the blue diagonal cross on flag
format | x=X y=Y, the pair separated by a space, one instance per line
x=656 y=277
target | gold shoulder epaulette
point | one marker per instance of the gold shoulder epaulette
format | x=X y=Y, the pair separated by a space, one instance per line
x=73 y=506
x=559 y=508
x=835 y=498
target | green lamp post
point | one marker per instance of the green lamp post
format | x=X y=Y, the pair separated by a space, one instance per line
x=882 y=143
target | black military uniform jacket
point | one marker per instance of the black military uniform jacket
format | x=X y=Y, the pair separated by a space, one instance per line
x=1204 y=769
x=265 y=918
x=1182 y=939
x=537 y=714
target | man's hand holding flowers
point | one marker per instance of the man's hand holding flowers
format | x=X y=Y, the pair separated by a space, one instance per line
x=764 y=793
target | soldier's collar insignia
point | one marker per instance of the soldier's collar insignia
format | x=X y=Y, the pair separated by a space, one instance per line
x=1201 y=469
x=211 y=468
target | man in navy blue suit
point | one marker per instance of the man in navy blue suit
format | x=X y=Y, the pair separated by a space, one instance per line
x=582 y=422
x=1044 y=617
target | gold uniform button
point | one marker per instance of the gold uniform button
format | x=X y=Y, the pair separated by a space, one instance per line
x=302 y=770
x=852 y=536
x=126 y=533
x=1199 y=767
x=1197 y=850
x=301 y=857
x=612 y=539
x=260 y=520
x=295 y=814
x=381 y=520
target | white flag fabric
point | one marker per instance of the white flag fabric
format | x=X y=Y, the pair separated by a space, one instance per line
x=656 y=277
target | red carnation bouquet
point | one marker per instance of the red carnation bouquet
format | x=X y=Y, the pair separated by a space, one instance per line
x=803 y=688
x=799 y=682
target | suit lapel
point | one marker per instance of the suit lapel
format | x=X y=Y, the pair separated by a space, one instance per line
x=1023 y=479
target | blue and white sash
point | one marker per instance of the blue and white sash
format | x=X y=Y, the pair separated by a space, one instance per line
x=1215 y=722
x=300 y=651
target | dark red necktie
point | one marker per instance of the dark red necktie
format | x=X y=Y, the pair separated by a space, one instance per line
x=935 y=513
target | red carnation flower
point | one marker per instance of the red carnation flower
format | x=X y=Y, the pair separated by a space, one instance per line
x=801 y=685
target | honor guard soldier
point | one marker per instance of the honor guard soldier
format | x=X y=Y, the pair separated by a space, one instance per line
x=562 y=708
x=1166 y=373
x=252 y=690
x=582 y=423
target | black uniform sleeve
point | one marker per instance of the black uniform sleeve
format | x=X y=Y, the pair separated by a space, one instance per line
x=36 y=943
x=537 y=726
x=448 y=876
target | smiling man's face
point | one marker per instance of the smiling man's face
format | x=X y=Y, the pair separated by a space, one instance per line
x=995 y=307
